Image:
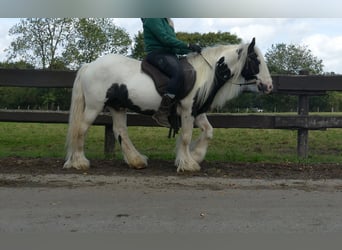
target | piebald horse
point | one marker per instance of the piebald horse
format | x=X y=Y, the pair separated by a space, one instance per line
x=121 y=80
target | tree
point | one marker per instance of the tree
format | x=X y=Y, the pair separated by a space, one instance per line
x=38 y=40
x=138 y=51
x=46 y=42
x=93 y=38
x=209 y=39
x=206 y=39
x=283 y=59
x=58 y=44
x=290 y=59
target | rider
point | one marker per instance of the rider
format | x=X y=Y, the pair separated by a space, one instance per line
x=163 y=48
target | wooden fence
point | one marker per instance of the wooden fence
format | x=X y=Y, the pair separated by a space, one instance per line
x=301 y=86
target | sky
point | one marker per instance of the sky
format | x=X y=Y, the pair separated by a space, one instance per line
x=323 y=36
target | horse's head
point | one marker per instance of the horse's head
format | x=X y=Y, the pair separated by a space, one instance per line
x=223 y=72
x=254 y=70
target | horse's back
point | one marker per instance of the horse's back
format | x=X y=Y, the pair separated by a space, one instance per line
x=110 y=60
x=112 y=66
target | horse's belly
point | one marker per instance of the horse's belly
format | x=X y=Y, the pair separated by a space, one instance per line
x=143 y=93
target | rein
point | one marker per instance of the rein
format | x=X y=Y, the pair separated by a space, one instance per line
x=205 y=59
x=252 y=82
x=247 y=83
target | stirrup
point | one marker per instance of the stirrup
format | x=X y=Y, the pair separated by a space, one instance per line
x=161 y=119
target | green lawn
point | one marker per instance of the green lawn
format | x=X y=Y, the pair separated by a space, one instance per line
x=230 y=145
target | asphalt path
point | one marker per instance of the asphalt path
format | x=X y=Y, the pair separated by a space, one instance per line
x=77 y=203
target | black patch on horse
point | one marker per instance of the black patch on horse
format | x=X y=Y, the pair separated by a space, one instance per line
x=117 y=98
x=251 y=67
x=222 y=75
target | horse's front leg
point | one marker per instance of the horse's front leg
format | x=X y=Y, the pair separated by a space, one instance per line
x=184 y=160
x=199 y=147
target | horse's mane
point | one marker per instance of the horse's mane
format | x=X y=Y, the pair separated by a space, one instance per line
x=205 y=73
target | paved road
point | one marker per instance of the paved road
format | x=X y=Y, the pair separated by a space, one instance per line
x=131 y=204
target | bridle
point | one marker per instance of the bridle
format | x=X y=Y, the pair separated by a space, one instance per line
x=250 y=70
x=246 y=83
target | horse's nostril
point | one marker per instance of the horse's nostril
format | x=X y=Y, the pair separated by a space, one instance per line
x=264 y=87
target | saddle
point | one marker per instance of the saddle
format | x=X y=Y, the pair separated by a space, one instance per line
x=161 y=80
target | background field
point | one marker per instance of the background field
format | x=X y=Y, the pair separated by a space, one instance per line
x=228 y=145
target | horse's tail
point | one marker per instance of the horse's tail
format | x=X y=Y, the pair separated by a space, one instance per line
x=76 y=113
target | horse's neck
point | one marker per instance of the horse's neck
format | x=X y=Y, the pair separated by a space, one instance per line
x=205 y=74
x=226 y=93
x=213 y=53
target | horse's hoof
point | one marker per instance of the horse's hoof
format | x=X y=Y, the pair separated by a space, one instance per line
x=188 y=167
x=79 y=166
x=138 y=162
x=141 y=166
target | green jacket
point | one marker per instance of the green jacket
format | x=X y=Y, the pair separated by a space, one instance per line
x=160 y=35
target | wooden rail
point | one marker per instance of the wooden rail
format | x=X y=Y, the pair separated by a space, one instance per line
x=284 y=84
x=312 y=122
x=302 y=86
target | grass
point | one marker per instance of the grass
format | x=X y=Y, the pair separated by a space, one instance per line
x=228 y=145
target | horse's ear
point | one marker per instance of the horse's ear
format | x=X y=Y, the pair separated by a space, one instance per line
x=251 y=46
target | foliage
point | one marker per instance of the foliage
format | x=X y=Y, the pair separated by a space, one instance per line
x=57 y=44
x=47 y=42
x=37 y=40
x=290 y=59
x=17 y=65
x=64 y=43
x=204 y=40
x=335 y=101
x=32 y=98
x=95 y=37
x=138 y=51
x=209 y=39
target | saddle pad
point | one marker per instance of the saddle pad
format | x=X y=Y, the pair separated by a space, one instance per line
x=160 y=80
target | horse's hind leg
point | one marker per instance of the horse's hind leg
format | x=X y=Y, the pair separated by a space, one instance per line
x=132 y=157
x=199 y=147
x=75 y=156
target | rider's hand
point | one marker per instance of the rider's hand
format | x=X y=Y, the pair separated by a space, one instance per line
x=195 y=48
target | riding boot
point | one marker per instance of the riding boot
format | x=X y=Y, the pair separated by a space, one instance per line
x=163 y=113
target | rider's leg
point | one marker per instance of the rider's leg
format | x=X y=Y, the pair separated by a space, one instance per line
x=169 y=65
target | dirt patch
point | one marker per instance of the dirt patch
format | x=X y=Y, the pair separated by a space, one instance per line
x=44 y=166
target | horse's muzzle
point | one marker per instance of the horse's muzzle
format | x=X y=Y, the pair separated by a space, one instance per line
x=265 y=88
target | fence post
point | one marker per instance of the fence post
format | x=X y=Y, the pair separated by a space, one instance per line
x=303 y=134
x=109 y=142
